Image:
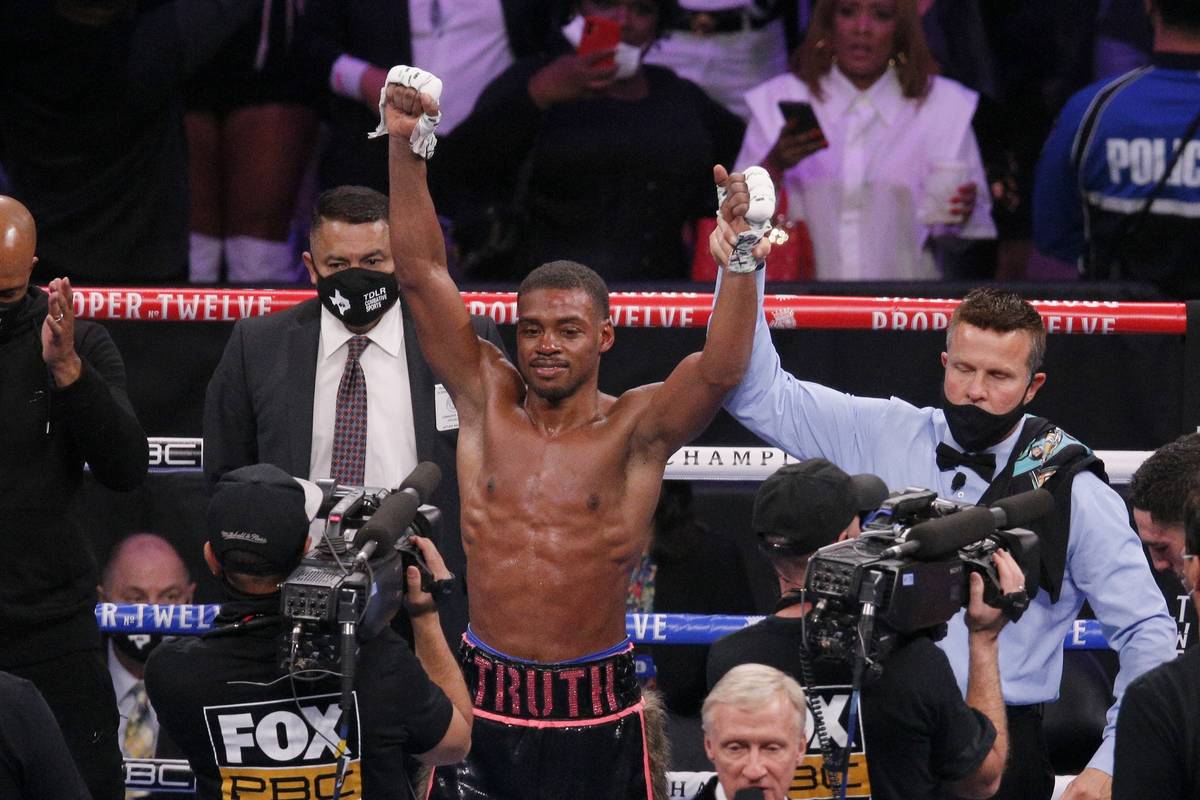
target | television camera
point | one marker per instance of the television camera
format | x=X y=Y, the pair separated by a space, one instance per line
x=908 y=572
x=348 y=587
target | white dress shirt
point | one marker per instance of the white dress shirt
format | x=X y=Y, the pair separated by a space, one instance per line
x=860 y=196
x=463 y=42
x=725 y=65
x=391 y=440
x=123 y=682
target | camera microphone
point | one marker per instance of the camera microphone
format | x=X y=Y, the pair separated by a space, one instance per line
x=941 y=537
x=422 y=481
x=396 y=512
x=1018 y=510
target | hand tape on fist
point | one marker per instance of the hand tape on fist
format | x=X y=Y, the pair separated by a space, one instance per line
x=758 y=217
x=762 y=200
x=423 y=140
x=742 y=257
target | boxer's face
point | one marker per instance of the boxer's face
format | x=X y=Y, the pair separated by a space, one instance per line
x=755 y=748
x=560 y=336
x=989 y=369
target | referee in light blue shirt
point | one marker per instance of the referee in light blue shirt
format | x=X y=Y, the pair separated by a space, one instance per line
x=994 y=348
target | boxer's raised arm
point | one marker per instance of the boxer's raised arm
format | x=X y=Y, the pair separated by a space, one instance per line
x=443 y=325
x=683 y=405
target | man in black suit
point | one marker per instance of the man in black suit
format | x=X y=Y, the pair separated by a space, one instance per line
x=348 y=46
x=289 y=388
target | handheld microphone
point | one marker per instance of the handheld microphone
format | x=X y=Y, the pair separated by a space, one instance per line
x=749 y=793
x=938 y=538
x=1018 y=510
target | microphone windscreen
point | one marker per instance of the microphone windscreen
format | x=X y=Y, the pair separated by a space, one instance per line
x=946 y=535
x=423 y=480
x=1021 y=509
x=749 y=793
x=388 y=524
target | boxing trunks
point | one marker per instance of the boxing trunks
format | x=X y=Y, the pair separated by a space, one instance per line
x=551 y=731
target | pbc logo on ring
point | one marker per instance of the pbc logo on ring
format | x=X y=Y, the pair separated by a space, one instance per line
x=167 y=775
x=284 y=749
x=170 y=452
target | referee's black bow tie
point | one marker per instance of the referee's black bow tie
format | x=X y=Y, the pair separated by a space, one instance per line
x=984 y=464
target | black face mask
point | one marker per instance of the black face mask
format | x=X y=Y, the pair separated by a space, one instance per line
x=358 y=296
x=137 y=646
x=976 y=429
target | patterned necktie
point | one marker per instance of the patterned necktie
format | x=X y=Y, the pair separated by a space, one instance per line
x=350 y=419
x=139 y=735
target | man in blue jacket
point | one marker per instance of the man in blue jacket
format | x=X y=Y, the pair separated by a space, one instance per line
x=1118 y=183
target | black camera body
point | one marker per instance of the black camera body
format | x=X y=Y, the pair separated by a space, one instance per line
x=905 y=594
x=336 y=586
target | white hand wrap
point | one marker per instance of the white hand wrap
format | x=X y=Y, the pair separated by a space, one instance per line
x=758 y=217
x=422 y=140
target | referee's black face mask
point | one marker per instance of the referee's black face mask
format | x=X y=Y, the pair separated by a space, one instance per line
x=976 y=429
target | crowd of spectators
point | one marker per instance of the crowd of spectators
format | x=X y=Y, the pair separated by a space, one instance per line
x=160 y=141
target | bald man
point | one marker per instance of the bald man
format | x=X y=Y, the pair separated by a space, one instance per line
x=62 y=403
x=143 y=568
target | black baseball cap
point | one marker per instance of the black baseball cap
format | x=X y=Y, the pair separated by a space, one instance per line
x=262 y=511
x=803 y=507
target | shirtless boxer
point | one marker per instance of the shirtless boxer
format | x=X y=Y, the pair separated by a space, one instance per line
x=558 y=483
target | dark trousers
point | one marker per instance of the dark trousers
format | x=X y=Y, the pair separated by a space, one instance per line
x=79 y=691
x=1029 y=774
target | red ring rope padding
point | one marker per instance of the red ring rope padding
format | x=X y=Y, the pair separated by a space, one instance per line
x=649 y=309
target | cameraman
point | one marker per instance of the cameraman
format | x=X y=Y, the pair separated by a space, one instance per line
x=920 y=735
x=248 y=729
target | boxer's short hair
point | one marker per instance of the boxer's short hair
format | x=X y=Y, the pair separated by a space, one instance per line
x=568 y=275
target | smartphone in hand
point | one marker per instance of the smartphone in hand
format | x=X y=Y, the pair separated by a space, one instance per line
x=799 y=118
x=599 y=34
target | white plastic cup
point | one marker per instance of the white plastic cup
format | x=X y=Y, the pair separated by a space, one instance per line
x=941 y=185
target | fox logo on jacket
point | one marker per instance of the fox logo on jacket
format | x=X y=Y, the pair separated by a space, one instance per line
x=284 y=748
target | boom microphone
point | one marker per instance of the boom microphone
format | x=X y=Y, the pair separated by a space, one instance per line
x=937 y=538
x=1018 y=510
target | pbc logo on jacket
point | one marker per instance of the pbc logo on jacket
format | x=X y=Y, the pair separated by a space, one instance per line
x=809 y=781
x=284 y=750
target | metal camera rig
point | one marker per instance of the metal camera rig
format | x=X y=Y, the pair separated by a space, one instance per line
x=348 y=587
